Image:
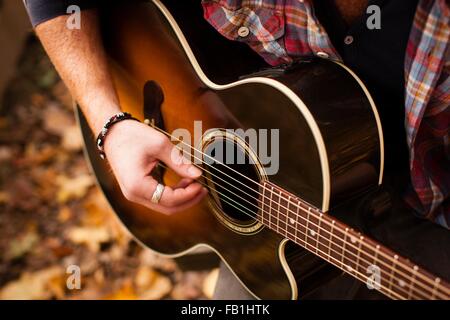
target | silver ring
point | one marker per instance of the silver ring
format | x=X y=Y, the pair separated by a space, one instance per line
x=158 y=193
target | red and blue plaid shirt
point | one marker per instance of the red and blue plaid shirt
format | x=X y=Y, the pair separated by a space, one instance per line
x=280 y=30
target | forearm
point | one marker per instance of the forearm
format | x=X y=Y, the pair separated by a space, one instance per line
x=80 y=60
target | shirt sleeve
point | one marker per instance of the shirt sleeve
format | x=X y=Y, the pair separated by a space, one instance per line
x=40 y=11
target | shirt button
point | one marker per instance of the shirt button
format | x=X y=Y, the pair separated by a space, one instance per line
x=348 y=40
x=322 y=54
x=243 y=32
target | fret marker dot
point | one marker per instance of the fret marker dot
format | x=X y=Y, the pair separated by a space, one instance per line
x=353 y=239
x=292 y=221
x=396 y=257
x=437 y=280
x=401 y=283
x=416 y=268
x=312 y=232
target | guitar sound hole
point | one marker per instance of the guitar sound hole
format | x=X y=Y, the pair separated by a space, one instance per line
x=233 y=181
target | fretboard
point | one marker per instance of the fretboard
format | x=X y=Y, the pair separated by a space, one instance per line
x=363 y=258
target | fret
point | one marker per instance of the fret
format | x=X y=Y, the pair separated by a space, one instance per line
x=313 y=230
x=265 y=208
x=318 y=232
x=271 y=224
x=383 y=262
x=330 y=240
x=374 y=280
x=412 y=283
x=435 y=287
x=351 y=251
x=301 y=224
x=337 y=244
x=392 y=272
x=358 y=256
x=276 y=203
x=375 y=257
x=292 y=227
x=343 y=254
x=308 y=231
x=283 y=216
x=324 y=235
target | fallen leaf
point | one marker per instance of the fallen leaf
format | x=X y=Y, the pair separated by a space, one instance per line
x=58 y=249
x=22 y=245
x=151 y=285
x=5 y=153
x=32 y=286
x=188 y=286
x=126 y=292
x=4 y=197
x=92 y=237
x=156 y=261
x=72 y=140
x=56 y=120
x=73 y=188
x=35 y=155
x=64 y=214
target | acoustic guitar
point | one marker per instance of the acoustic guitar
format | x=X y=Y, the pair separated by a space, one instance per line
x=273 y=228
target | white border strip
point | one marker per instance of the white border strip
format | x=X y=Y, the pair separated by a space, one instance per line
x=376 y=115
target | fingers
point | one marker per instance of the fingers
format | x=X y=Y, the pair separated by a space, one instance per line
x=184 y=206
x=185 y=194
x=173 y=158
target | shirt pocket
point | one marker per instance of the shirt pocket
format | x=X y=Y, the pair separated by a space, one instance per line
x=245 y=24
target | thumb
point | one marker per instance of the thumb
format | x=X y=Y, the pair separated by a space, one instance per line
x=175 y=160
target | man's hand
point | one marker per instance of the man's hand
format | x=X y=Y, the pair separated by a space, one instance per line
x=133 y=150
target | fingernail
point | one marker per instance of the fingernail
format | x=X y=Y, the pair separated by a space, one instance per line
x=194 y=171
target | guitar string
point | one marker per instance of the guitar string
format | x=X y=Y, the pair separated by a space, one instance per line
x=390 y=282
x=288 y=201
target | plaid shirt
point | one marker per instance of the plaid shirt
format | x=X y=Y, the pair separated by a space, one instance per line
x=280 y=30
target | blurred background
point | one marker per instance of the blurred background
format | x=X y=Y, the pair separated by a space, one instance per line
x=52 y=216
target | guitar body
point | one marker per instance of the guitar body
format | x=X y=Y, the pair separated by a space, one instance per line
x=330 y=141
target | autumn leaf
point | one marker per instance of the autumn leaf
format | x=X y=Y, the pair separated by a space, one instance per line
x=35 y=285
x=151 y=285
x=73 y=188
x=22 y=244
x=126 y=292
x=92 y=237
x=72 y=139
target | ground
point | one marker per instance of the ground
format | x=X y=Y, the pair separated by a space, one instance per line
x=52 y=216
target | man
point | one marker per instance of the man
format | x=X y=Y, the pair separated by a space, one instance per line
x=404 y=63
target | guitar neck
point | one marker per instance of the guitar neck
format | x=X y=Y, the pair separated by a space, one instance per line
x=363 y=258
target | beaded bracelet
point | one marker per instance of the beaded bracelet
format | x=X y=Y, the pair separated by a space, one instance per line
x=111 y=121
